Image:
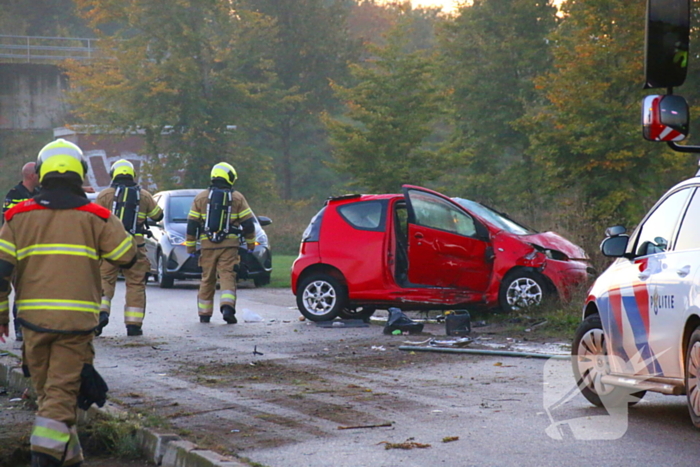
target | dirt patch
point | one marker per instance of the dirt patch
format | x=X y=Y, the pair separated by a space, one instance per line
x=16 y=420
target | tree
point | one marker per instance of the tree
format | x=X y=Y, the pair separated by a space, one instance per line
x=391 y=112
x=310 y=48
x=587 y=136
x=186 y=75
x=490 y=54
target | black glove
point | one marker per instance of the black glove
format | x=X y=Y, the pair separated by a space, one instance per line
x=93 y=389
x=104 y=321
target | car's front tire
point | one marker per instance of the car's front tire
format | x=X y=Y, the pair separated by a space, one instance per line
x=321 y=297
x=692 y=377
x=164 y=281
x=521 y=290
x=589 y=361
x=261 y=281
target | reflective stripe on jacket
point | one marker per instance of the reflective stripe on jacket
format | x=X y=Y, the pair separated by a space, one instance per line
x=56 y=255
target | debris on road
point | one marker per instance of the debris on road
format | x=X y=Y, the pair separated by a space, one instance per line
x=342 y=323
x=408 y=444
x=357 y=427
x=398 y=321
x=449 y=439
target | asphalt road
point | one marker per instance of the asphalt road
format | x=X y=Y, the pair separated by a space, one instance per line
x=290 y=405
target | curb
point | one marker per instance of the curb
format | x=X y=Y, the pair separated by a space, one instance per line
x=164 y=449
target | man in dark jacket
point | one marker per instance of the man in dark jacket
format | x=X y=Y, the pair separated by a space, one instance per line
x=27 y=188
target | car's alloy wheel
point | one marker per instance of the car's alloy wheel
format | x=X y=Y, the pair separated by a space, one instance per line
x=321 y=297
x=590 y=362
x=523 y=291
x=692 y=377
x=164 y=281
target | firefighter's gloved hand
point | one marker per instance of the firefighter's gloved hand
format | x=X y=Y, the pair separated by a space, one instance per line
x=93 y=389
x=104 y=321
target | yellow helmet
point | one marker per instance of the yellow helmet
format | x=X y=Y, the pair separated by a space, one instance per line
x=225 y=171
x=122 y=167
x=59 y=158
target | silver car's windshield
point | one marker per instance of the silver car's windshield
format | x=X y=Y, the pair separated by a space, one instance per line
x=178 y=208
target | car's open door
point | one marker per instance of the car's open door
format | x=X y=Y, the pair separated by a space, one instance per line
x=446 y=246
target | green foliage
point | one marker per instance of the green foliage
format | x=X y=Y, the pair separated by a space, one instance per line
x=41 y=18
x=289 y=219
x=309 y=47
x=281 y=271
x=185 y=74
x=489 y=55
x=16 y=149
x=370 y=21
x=391 y=112
x=586 y=136
x=114 y=436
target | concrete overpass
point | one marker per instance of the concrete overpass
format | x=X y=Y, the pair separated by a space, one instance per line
x=31 y=80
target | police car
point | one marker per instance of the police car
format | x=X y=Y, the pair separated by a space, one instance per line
x=641 y=321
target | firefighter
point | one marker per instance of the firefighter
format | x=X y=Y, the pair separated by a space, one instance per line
x=53 y=244
x=27 y=188
x=132 y=208
x=218 y=235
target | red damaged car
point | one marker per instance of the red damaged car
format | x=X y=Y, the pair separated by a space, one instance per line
x=422 y=250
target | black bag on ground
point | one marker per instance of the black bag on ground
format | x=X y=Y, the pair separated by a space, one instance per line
x=126 y=206
x=217 y=224
x=399 y=321
x=93 y=389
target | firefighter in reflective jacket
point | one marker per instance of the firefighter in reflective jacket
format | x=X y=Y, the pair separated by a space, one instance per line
x=27 y=188
x=133 y=209
x=53 y=244
x=220 y=255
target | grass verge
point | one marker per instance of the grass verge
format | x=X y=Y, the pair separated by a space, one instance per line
x=281 y=271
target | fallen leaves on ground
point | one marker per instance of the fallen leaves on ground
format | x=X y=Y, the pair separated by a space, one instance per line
x=408 y=444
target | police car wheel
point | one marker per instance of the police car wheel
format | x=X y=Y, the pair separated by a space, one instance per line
x=589 y=361
x=692 y=377
x=521 y=290
x=321 y=297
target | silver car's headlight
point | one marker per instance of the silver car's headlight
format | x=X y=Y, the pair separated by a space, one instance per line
x=175 y=238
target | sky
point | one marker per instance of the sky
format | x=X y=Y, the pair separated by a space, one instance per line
x=447 y=5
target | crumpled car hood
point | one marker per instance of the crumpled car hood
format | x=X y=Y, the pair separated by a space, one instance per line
x=554 y=241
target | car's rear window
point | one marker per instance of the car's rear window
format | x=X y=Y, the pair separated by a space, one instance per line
x=367 y=215
x=313 y=230
x=179 y=207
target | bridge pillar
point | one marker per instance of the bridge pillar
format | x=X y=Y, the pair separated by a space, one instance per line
x=31 y=96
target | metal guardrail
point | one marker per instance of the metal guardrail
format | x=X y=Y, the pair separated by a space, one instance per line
x=39 y=49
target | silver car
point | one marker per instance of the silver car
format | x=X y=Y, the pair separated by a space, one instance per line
x=167 y=253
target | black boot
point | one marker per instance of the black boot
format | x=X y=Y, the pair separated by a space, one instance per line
x=229 y=313
x=44 y=460
x=204 y=319
x=133 y=330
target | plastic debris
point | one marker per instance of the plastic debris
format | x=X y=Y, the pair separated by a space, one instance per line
x=250 y=316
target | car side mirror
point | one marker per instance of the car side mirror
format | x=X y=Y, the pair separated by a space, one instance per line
x=665 y=118
x=482 y=233
x=615 y=230
x=264 y=220
x=666 y=43
x=615 y=247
